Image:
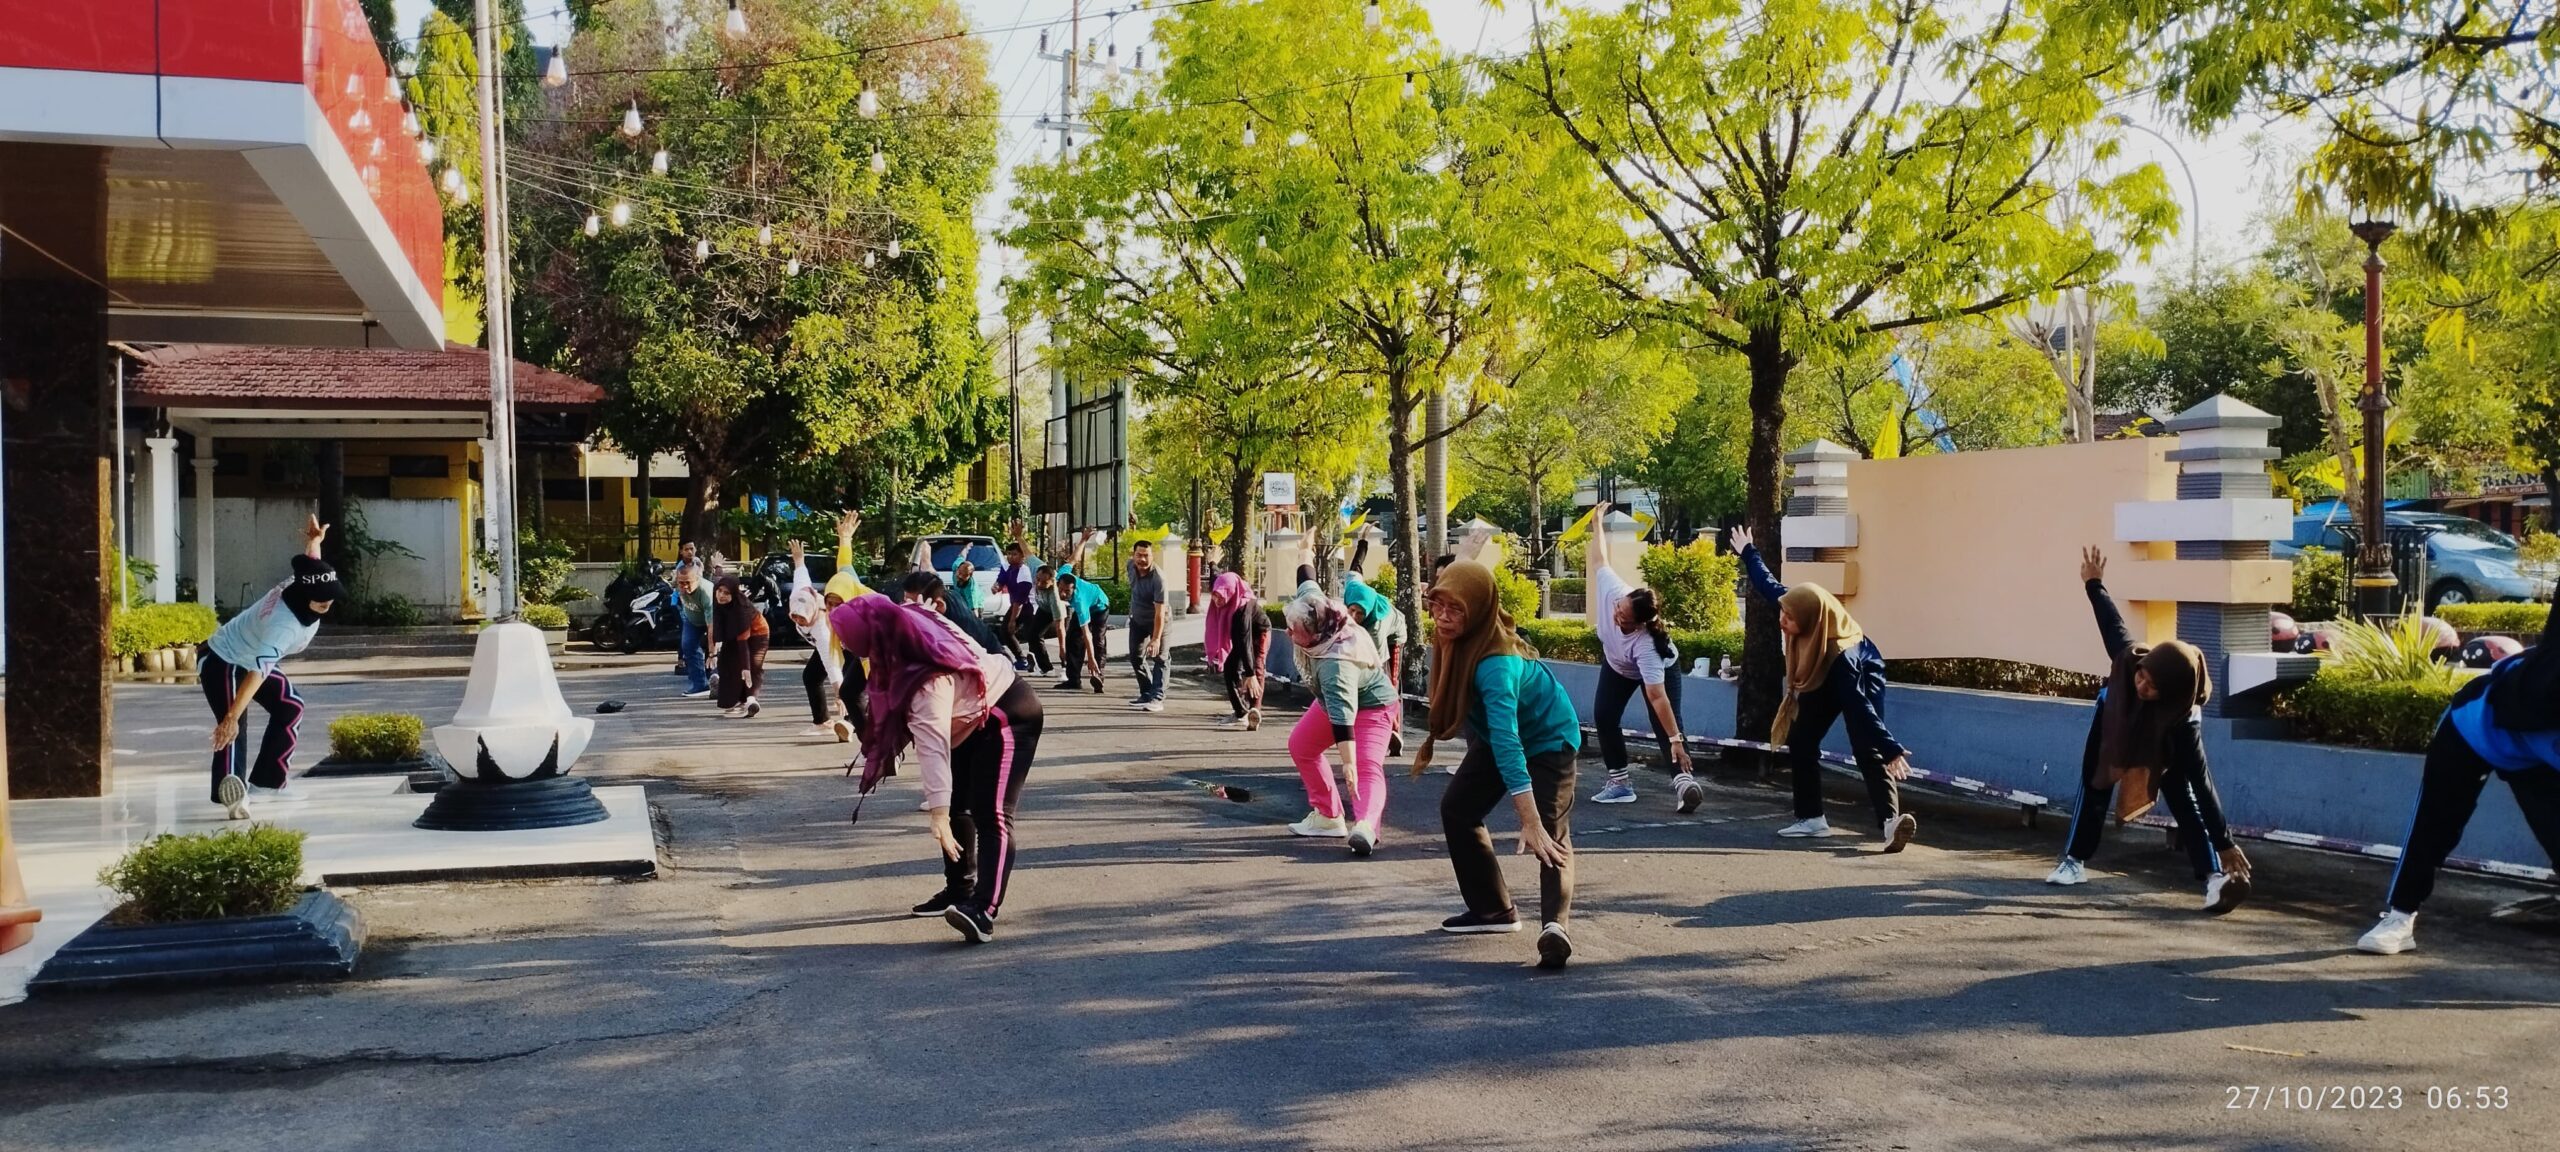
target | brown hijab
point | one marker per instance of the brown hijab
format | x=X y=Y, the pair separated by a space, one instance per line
x=1823 y=632
x=2133 y=731
x=1454 y=658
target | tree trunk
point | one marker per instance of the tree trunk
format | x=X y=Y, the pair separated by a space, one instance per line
x=1239 y=520
x=1537 y=520
x=2551 y=498
x=1763 y=667
x=1435 y=470
x=1401 y=550
x=701 y=503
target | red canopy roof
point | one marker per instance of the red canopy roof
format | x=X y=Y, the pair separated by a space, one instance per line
x=244 y=376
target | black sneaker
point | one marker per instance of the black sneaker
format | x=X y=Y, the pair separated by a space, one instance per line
x=972 y=921
x=1470 y=923
x=934 y=907
x=1554 y=947
x=1097 y=685
x=1066 y=685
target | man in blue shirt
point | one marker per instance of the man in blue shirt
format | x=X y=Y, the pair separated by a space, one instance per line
x=242 y=663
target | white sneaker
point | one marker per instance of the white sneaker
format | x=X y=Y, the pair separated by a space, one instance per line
x=233 y=796
x=1319 y=824
x=1898 y=832
x=2223 y=892
x=1364 y=838
x=2397 y=932
x=1229 y=724
x=284 y=795
x=1818 y=826
x=1687 y=795
x=821 y=732
x=842 y=729
x=1253 y=719
x=2068 y=873
x=696 y=695
x=1152 y=706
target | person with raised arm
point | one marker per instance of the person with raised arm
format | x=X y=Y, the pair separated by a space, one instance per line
x=1833 y=672
x=1637 y=656
x=1017 y=580
x=1086 y=612
x=824 y=675
x=1521 y=739
x=2504 y=724
x=243 y=663
x=2148 y=736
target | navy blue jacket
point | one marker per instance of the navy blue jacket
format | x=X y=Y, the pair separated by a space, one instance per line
x=1856 y=681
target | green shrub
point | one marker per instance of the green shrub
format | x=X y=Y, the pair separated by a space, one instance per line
x=2393 y=653
x=2522 y=619
x=389 y=610
x=1694 y=584
x=1519 y=594
x=255 y=871
x=1385 y=580
x=2319 y=585
x=376 y=737
x=1568 y=586
x=2337 y=707
x=1995 y=676
x=1118 y=590
x=152 y=626
x=548 y=617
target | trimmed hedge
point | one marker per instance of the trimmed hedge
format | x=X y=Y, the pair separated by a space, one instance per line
x=1994 y=676
x=1693 y=583
x=1579 y=642
x=548 y=617
x=148 y=627
x=255 y=871
x=2319 y=585
x=2524 y=619
x=2335 y=708
x=376 y=737
x=1568 y=586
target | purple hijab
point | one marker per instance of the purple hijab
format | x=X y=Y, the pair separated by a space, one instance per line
x=905 y=647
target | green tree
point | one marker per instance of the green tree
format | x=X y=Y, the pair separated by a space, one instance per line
x=1577 y=405
x=773 y=304
x=1971 y=387
x=1802 y=174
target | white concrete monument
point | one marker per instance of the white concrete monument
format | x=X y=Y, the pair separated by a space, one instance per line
x=512 y=743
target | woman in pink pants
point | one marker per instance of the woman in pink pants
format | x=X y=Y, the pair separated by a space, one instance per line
x=1351 y=719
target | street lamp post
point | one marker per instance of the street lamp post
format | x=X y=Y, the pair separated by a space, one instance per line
x=2374 y=581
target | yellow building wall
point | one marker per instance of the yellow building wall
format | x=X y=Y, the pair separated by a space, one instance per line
x=1977 y=554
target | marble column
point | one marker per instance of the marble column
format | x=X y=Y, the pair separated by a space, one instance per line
x=206 y=589
x=53 y=364
x=160 y=516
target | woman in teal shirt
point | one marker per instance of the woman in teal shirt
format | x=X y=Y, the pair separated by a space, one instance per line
x=1521 y=738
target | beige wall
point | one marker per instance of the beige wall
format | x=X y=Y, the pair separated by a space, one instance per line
x=1977 y=554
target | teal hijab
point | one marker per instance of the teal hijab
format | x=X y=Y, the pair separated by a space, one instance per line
x=1372 y=605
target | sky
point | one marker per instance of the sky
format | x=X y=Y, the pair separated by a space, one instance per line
x=2225 y=182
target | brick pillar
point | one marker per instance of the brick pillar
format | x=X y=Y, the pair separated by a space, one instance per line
x=1821 y=533
x=53 y=380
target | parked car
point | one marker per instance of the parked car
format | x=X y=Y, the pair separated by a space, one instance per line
x=2467 y=561
x=948 y=551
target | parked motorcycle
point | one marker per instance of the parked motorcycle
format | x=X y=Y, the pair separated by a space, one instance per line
x=640 y=611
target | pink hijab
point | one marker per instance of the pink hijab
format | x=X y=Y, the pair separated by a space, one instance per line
x=905 y=648
x=1227 y=595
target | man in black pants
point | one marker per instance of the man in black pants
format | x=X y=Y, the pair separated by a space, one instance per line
x=1147 y=620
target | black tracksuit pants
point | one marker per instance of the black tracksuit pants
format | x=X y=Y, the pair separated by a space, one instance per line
x=2448 y=792
x=987 y=772
x=1473 y=794
x=1609 y=706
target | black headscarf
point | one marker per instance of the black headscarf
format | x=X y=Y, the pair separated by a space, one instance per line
x=314 y=582
x=2525 y=695
x=736 y=618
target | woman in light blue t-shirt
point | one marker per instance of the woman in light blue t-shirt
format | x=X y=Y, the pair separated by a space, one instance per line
x=243 y=663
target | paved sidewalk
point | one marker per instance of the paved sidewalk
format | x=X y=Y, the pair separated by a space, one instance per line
x=1176 y=972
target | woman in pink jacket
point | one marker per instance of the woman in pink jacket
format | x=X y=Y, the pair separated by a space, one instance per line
x=974 y=725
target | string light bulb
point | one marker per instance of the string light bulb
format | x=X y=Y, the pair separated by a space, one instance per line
x=868 y=104
x=1376 y=15
x=658 y=163
x=896 y=246
x=409 y=121
x=452 y=178
x=870 y=259
x=595 y=224
x=701 y=249
x=621 y=213
x=879 y=161
x=362 y=121
x=631 y=119
x=374 y=150
x=792 y=268
x=764 y=235
x=1408 y=85
x=1297 y=139
x=462 y=194
x=556 y=73
x=941 y=283
x=426 y=151
x=736 y=25
x=1248 y=135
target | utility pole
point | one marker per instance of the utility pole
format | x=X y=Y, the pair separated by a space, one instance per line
x=498 y=485
x=1013 y=421
x=2374 y=580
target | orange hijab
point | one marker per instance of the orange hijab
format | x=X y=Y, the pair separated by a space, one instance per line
x=1454 y=657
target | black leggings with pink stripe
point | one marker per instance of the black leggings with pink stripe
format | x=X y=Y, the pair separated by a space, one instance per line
x=222 y=682
x=987 y=772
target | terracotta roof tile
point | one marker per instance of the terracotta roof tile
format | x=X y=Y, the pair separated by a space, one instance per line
x=250 y=376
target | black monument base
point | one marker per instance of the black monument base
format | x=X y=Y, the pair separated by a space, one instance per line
x=316 y=940
x=468 y=805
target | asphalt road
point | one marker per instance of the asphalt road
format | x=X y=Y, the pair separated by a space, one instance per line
x=1176 y=972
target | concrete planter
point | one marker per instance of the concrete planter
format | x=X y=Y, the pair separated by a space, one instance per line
x=557 y=638
x=319 y=938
